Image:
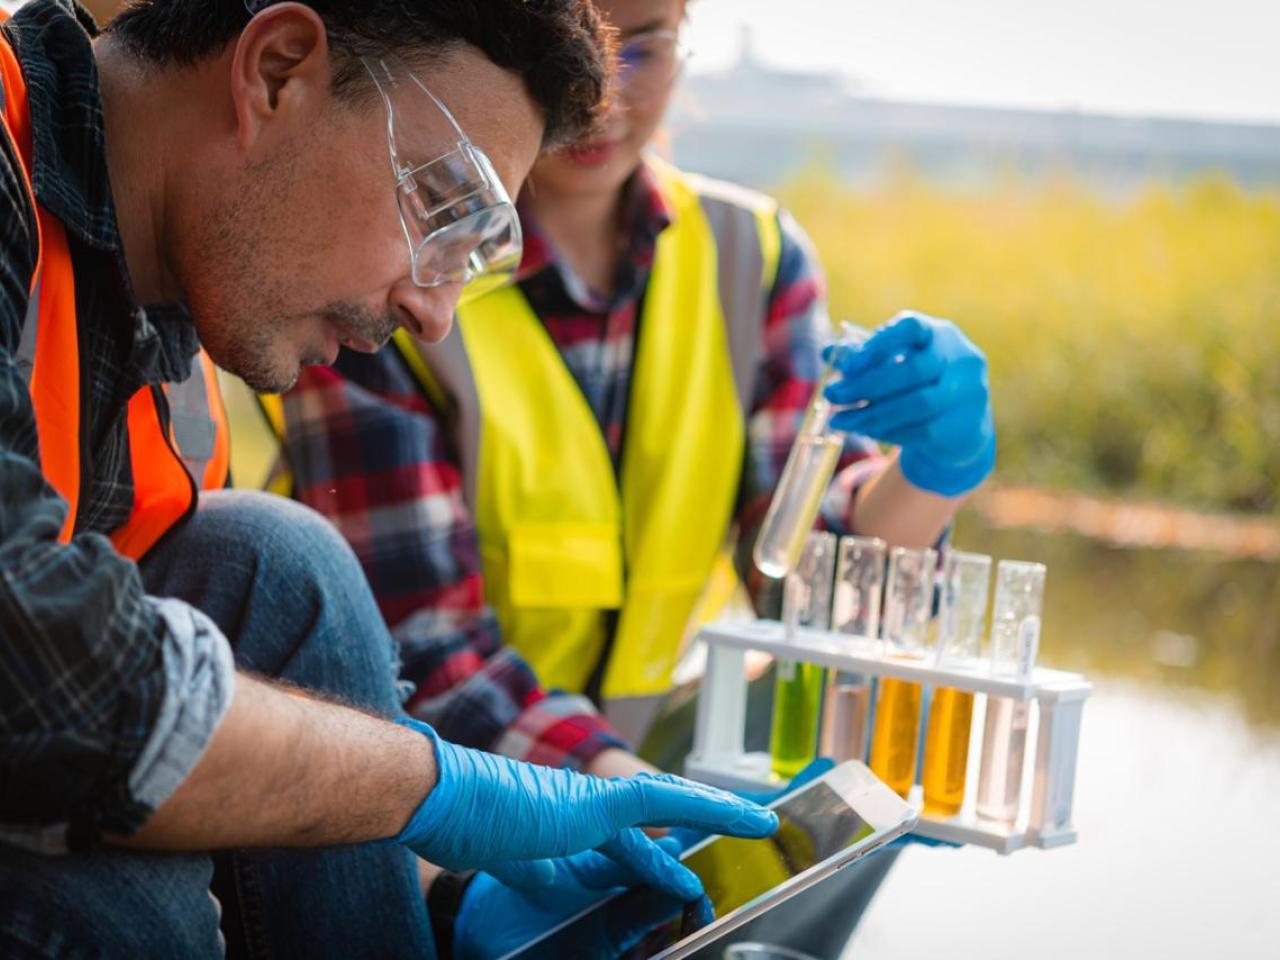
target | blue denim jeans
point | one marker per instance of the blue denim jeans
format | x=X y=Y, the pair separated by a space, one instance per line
x=290 y=595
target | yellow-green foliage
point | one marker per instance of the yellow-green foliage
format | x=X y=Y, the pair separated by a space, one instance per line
x=1134 y=343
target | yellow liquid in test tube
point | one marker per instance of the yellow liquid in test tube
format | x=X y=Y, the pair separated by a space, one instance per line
x=795 y=504
x=946 y=751
x=896 y=734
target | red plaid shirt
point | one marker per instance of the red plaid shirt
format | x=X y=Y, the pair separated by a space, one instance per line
x=370 y=451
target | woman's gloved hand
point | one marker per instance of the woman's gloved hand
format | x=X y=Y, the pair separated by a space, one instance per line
x=493 y=813
x=495 y=918
x=920 y=384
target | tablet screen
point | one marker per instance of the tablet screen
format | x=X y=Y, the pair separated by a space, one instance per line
x=814 y=824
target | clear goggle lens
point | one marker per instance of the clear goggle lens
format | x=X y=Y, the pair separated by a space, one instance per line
x=481 y=251
x=460 y=223
x=458 y=219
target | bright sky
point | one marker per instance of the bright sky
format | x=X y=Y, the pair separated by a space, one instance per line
x=1201 y=58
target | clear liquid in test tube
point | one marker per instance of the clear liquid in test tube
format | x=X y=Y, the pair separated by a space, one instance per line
x=1015 y=642
x=855 y=615
x=805 y=478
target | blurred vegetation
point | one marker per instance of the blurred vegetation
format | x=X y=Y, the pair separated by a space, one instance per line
x=1134 y=342
x=1182 y=621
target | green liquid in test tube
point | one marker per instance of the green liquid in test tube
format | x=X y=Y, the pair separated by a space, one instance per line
x=797 y=692
x=797 y=701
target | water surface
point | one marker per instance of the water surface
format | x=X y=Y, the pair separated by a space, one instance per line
x=1179 y=776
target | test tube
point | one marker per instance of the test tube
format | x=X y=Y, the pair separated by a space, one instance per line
x=797 y=691
x=908 y=603
x=855 y=614
x=962 y=622
x=1015 y=641
x=805 y=477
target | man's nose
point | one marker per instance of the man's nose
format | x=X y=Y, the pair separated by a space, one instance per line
x=426 y=312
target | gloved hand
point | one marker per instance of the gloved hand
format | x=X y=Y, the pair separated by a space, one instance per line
x=494 y=813
x=495 y=918
x=812 y=771
x=920 y=384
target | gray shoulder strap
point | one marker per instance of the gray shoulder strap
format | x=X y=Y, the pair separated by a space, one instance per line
x=194 y=431
x=731 y=212
x=448 y=361
x=26 y=355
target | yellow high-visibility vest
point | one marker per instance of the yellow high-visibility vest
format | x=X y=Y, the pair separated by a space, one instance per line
x=578 y=562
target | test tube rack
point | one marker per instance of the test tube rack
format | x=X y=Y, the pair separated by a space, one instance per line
x=719 y=758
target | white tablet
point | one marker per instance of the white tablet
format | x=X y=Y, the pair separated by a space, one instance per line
x=825 y=825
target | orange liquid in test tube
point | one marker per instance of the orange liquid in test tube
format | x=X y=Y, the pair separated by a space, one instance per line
x=896 y=734
x=946 y=751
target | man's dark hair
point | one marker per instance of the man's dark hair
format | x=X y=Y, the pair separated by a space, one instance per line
x=560 y=48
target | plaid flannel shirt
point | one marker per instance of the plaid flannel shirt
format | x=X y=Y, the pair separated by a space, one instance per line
x=108 y=696
x=369 y=451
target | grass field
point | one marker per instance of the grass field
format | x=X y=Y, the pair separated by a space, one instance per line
x=1134 y=344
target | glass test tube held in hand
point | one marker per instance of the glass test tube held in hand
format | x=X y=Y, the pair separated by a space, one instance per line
x=797 y=692
x=908 y=603
x=855 y=614
x=962 y=623
x=1015 y=642
x=810 y=464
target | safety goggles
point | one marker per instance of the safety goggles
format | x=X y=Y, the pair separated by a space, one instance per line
x=458 y=219
x=461 y=225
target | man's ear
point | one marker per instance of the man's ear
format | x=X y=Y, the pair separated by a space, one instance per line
x=281 y=65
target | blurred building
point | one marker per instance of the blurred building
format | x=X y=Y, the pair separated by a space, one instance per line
x=757 y=124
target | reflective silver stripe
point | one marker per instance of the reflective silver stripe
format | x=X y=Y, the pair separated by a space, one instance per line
x=449 y=362
x=26 y=355
x=731 y=212
x=194 y=431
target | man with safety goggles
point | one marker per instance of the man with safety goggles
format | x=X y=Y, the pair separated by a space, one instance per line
x=183 y=668
x=460 y=223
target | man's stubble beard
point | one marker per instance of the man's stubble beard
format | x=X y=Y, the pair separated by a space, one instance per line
x=237 y=309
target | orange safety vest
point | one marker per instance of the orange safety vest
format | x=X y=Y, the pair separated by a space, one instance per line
x=163 y=462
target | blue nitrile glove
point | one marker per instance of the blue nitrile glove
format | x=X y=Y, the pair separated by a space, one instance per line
x=815 y=769
x=812 y=771
x=921 y=385
x=497 y=814
x=495 y=918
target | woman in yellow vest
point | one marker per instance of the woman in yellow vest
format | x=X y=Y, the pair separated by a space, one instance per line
x=539 y=499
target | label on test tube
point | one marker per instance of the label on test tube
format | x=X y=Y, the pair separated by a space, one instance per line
x=1028 y=645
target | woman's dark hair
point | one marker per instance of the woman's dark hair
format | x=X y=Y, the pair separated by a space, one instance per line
x=560 y=48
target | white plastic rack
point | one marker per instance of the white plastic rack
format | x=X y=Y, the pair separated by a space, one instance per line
x=718 y=756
